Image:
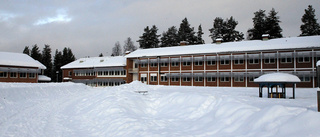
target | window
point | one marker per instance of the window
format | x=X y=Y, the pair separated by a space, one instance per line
x=198 y=63
x=32 y=75
x=105 y=73
x=143 y=77
x=153 y=64
x=253 y=61
x=305 y=78
x=238 y=78
x=153 y=78
x=70 y=73
x=163 y=78
x=3 y=74
x=99 y=73
x=22 y=75
x=224 y=79
x=136 y=65
x=117 y=72
x=224 y=62
x=186 y=63
x=174 y=79
x=303 y=59
x=186 y=79
x=164 y=64
x=238 y=61
x=286 y=60
x=211 y=79
x=111 y=83
x=269 y=60
x=13 y=74
x=251 y=79
x=123 y=72
x=111 y=72
x=174 y=64
x=143 y=65
x=211 y=62
x=198 y=79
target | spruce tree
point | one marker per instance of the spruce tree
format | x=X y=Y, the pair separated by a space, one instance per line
x=100 y=55
x=170 y=38
x=310 y=25
x=149 y=38
x=47 y=60
x=26 y=50
x=272 y=25
x=259 y=26
x=116 y=50
x=199 y=35
x=58 y=62
x=129 y=46
x=186 y=33
x=218 y=29
x=35 y=53
x=225 y=30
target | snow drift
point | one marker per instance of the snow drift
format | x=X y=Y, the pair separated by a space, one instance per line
x=69 y=109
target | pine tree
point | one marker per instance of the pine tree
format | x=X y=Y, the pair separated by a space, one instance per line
x=100 y=55
x=231 y=34
x=170 y=38
x=310 y=26
x=26 y=50
x=225 y=30
x=128 y=46
x=116 y=50
x=218 y=29
x=186 y=33
x=47 y=60
x=35 y=53
x=58 y=59
x=199 y=35
x=259 y=26
x=272 y=25
x=149 y=38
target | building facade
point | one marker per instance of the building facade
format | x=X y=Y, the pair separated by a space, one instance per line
x=96 y=71
x=232 y=64
x=18 y=67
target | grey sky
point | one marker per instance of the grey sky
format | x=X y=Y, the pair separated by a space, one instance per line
x=92 y=27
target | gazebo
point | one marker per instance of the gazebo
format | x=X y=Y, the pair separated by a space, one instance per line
x=277 y=80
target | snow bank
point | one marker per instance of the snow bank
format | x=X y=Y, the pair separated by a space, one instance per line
x=77 y=110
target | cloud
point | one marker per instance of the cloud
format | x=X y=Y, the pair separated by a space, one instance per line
x=60 y=17
x=6 y=16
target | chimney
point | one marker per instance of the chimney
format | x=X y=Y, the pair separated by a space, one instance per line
x=184 y=43
x=265 y=37
x=127 y=52
x=218 y=40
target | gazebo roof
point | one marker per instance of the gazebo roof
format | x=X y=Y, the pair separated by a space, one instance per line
x=277 y=77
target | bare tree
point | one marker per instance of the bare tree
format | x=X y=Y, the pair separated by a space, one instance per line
x=116 y=50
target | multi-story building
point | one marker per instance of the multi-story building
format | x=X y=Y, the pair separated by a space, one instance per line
x=18 y=67
x=96 y=71
x=230 y=64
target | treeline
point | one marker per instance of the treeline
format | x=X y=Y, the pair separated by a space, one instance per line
x=60 y=58
x=225 y=29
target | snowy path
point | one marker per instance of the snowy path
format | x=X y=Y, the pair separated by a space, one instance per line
x=77 y=110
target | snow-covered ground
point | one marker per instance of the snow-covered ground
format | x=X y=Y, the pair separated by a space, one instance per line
x=68 y=109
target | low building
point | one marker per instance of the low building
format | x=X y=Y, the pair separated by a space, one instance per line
x=230 y=64
x=18 y=67
x=96 y=71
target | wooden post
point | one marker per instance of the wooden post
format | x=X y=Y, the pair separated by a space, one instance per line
x=293 y=90
x=318 y=98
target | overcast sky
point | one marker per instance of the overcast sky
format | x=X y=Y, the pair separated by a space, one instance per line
x=91 y=27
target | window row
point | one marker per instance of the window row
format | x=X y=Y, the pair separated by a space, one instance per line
x=16 y=74
x=210 y=79
x=270 y=60
x=105 y=84
x=102 y=73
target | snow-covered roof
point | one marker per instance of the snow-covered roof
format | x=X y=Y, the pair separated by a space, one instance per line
x=43 y=78
x=252 y=45
x=278 y=77
x=96 y=62
x=19 y=59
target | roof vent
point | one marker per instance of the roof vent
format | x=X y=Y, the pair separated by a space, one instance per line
x=101 y=60
x=265 y=37
x=81 y=61
x=218 y=40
